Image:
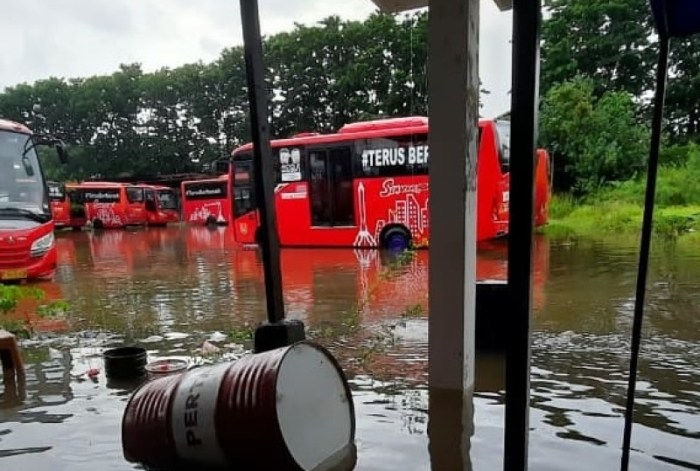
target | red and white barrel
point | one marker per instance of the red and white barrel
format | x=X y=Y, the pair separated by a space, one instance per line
x=286 y=409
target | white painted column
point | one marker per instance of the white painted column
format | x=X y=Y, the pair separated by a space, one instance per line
x=453 y=94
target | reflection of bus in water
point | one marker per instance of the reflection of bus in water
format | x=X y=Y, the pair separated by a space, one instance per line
x=116 y=253
x=209 y=239
x=314 y=280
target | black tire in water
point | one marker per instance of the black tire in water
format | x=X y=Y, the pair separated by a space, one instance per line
x=396 y=239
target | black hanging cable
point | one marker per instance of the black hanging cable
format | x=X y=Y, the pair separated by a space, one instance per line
x=653 y=164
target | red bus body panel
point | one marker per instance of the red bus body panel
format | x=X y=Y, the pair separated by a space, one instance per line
x=543 y=188
x=16 y=261
x=215 y=210
x=112 y=215
x=61 y=213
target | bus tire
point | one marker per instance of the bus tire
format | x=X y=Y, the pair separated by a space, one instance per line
x=396 y=239
x=211 y=222
x=98 y=224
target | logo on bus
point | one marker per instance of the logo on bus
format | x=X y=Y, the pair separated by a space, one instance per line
x=102 y=196
x=390 y=188
x=393 y=156
x=204 y=192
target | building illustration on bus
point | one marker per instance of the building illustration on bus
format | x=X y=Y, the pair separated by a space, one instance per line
x=366 y=185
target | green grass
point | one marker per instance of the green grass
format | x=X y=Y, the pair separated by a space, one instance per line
x=605 y=218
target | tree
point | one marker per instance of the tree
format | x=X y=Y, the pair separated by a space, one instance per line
x=594 y=140
x=607 y=40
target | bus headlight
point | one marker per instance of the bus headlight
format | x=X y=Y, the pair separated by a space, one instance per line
x=42 y=245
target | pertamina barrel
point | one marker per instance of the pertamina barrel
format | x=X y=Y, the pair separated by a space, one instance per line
x=286 y=409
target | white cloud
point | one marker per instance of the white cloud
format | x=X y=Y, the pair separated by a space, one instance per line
x=76 y=38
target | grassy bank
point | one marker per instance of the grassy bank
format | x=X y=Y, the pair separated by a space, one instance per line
x=606 y=218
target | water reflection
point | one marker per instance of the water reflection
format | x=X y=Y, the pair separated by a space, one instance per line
x=170 y=289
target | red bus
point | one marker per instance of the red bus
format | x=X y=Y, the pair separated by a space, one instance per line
x=112 y=205
x=161 y=205
x=367 y=186
x=543 y=187
x=207 y=201
x=27 y=243
x=60 y=204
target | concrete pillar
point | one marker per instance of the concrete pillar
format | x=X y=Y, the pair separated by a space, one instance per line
x=453 y=94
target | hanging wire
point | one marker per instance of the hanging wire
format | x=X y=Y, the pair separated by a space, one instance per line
x=653 y=164
x=410 y=67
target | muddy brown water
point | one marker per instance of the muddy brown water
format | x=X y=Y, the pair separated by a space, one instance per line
x=173 y=289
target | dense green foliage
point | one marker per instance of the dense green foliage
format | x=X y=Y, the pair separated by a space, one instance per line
x=173 y=120
x=598 y=65
x=595 y=140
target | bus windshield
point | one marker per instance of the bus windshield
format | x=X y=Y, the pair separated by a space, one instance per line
x=167 y=199
x=503 y=129
x=22 y=186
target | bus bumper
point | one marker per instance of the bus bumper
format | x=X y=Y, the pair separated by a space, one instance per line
x=34 y=268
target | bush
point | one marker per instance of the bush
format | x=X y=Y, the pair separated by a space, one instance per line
x=675 y=185
x=594 y=140
x=561 y=205
x=10 y=298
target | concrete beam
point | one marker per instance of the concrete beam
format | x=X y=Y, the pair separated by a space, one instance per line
x=397 y=6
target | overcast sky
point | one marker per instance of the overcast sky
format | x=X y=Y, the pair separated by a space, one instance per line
x=78 y=38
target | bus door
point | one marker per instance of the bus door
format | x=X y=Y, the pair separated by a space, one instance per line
x=60 y=204
x=244 y=210
x=330 y=187
x=136 y=207
x=151 y=206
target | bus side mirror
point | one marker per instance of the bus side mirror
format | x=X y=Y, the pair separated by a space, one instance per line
x=62 y=152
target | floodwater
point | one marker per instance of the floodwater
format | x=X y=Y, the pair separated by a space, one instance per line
x=172 y=289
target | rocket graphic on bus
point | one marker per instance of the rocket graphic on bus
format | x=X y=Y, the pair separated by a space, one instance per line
x=364 y=238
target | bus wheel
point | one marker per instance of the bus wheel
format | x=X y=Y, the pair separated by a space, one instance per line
x=211 y=221
x=396 y=239
x=98 y=224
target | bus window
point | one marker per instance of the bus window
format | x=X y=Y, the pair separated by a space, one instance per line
x=503 y=130
x=343 y=198
x=167 y=199
x=330 y=187
x=243 y=188
x=319 y=191
x=151 y=200
x=134 y=194
x=392 y=156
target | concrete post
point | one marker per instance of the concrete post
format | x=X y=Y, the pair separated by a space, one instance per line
x=453 y=96
x=453 y=103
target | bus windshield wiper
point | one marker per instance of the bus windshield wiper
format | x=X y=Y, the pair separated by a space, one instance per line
x=29 y=214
